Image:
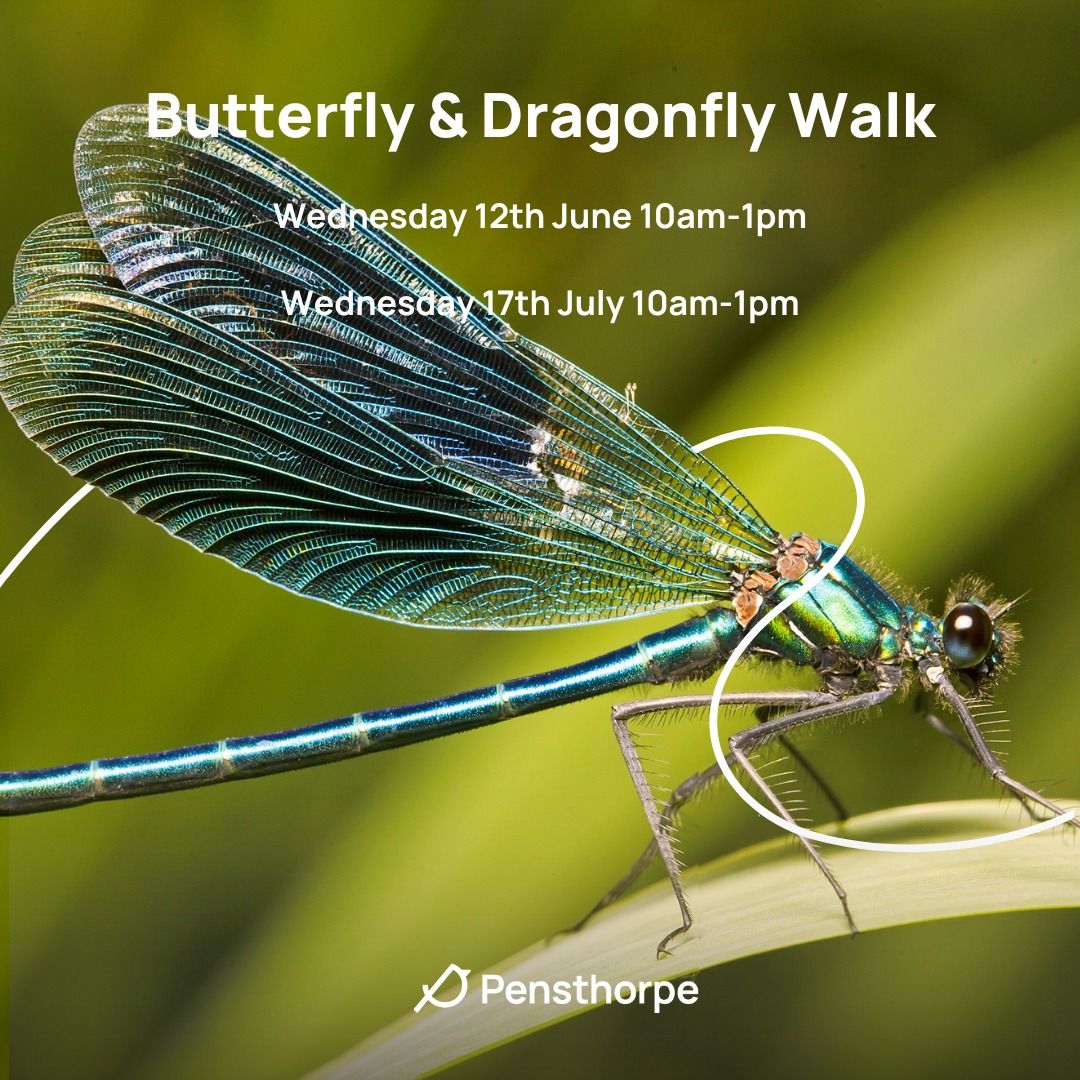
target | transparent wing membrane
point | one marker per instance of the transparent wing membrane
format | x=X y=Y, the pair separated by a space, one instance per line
x=435 y=469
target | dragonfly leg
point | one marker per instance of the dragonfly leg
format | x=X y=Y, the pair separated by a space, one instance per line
x=942 y=728
x=752 y=738
x=687 y=790
x=661 y=833
x=661 y=823
x=988 y=759
x=694 y=785
x=764 y=714
x=744 y=763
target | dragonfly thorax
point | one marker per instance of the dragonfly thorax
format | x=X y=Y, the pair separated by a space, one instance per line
x=847 y=625
x=852 y=629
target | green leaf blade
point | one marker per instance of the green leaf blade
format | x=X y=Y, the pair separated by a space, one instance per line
x=757 y=900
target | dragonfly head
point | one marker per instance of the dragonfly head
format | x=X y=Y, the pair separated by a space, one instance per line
x=978 y=641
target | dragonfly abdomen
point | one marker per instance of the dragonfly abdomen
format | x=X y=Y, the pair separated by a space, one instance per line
x=691 y=648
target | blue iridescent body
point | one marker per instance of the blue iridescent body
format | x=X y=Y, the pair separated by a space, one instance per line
x=847 y=628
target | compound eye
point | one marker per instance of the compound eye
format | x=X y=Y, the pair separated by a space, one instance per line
x=968 y=635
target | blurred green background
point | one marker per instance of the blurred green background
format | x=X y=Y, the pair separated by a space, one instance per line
x=258 y=930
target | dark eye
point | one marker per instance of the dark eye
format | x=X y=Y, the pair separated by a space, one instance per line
x=968 y=634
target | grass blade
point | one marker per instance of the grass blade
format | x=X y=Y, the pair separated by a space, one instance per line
x=757 y=900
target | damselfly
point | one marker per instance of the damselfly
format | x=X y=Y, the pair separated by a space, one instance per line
x=432 y=467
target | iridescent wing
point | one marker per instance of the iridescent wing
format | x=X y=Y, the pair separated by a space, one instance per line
x=63 y=252
x=192 y=223
x=433 y=470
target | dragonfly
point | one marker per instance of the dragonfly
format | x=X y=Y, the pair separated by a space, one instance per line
x=424 y=464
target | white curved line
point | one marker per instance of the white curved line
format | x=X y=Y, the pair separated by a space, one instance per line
x=43 y=532
x=748 y=639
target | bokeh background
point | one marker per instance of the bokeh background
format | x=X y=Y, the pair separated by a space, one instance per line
x=258 y=930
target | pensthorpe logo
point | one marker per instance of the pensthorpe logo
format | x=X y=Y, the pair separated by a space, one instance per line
x=580 y=990
x=429 y=997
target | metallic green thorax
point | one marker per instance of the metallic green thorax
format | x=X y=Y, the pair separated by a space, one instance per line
x=848 y=623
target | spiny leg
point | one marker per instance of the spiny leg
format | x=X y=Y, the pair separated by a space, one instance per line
x=752 y=738
x=763 y=715
x=744 y=763
x=661 y=835
x=621 y=716
x=987 y=758
x=687 y=790
x=699 y=782
x=939 y=725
